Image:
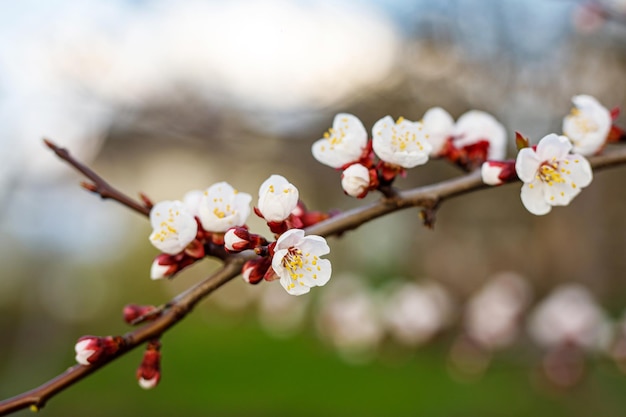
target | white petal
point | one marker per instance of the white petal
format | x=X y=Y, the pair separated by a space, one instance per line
x=296 y=289
x=158 y=271
x=222 y=207
x=355 y=180
x=316 y=245
x=527 y=164
x=174 y=227
x=476 y=125
x=559 y=194
x=402 y=143
x=439 y=126
x=533 y=198
x=292 y=237
x=277 y=198
x=322 y=276
x=148 y=383
x=553 y=147
x=580 y=174
x=191 y=200
x=491 y=174
x=588 y=125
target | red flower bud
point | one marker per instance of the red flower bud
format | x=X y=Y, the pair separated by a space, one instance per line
x=149 y=372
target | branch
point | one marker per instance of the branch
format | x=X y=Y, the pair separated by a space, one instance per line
x=98 y=184
x=179 y=307
x=427 y=196
x=431 y=196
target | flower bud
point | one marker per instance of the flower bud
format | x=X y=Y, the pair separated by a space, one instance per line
x=237 y=239
x=277 y=198
x=133 y=311
x=91 y=349
x=163 y=266
x=355 y=180
x=498 y=172
x=254 y=270
x=149 y=372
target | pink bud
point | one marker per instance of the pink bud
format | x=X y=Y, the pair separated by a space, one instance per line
x=254 y=270
x=133 y=311
x=163 y=266
x=237 y=239
x=498 y=172
x=149 y=372
x=91 y=349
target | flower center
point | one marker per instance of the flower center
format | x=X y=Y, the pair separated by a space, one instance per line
x=401 y=137
x=551 y=173
x=583 y=124
x=298 y=264
x=166 y=226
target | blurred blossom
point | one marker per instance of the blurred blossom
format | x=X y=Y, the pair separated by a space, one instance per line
x=492 y=315
x=236 y=296
x=570 y=315
x=281 y=314
x=415 y=313
x=349 y=319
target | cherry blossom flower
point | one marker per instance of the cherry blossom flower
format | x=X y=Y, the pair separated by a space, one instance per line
x=439 y=126
x=277 y=198
x=403 y=143
x=551 y=175
x=588 y=125
x=223 y=207
x=174 y=227
x=355 y=180
x=475 y=126
x=414 y=313
x=192 y=200
x=570 y=315
x=297 y=261
x=343 y=143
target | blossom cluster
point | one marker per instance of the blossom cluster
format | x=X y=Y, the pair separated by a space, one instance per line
x=184 y=231
x=403 y=144
x=554 y=171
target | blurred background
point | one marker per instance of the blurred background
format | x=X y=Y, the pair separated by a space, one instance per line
x=164 y=97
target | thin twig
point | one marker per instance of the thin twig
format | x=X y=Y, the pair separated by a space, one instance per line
x=98 y=185
x=179 y=308
x=428 y=196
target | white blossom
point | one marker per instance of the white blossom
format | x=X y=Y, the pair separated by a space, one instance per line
x=551 y=175
x=277 y=198
x=439 y=126
x=415 y=313
x=476 y=125
x=192 y=200
x=569 y=315
x=297 y=261
x=587 y=125
x=174 y=227
x=355 y=180
x=343 y=143
x=402 y=143
x=223 y=207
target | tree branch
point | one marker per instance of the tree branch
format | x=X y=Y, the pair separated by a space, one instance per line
x=98 y=185
x=427 y=196
x=179 y=307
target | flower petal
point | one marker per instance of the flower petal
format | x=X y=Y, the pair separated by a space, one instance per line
x=527 y=164
x=533 y=198
x=553 y=147
x=292 y=237
x=580 y=174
